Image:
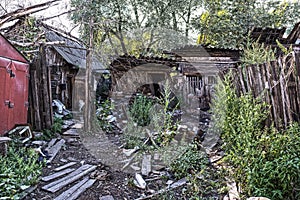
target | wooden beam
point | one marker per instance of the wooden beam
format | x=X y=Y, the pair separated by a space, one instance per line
x=58 y=174
x=77 y=174
x=65 y=166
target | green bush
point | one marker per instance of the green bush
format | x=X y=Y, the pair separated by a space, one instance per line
x=140 y=110
x=19 y=170
x=57 y=125
x=265 y=161
x=104 y=110
x=256 y=53
x=191 y=161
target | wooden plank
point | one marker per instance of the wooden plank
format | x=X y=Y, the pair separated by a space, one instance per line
x=75 y=173
x=80 y=190
x=66 y=194
x=240 y=72
x=59 y=184
x=51 y=143
x=47 y=102
x=266 y=85
x=272 y=89
x=71 y=132
x=65 y=166
x=146 y=165
x=58 y=174
x=55 y=149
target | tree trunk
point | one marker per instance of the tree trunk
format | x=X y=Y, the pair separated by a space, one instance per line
x=88 y=75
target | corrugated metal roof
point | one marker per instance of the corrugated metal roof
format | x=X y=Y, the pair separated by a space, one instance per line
x=73 y=52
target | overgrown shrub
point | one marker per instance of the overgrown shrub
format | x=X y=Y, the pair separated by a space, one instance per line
x=19 y=170
x=256 y=53
x=190 y=162
x=140 y=110
x=104 y=109
x=55 y=128
x=265 y=161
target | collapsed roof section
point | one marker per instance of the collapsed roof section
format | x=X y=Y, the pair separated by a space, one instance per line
x=72 y=50
x=270 y=35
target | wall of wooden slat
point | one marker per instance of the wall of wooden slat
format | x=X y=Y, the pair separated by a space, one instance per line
x=277 y=83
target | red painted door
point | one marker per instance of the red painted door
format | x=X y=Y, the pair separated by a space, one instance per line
x=5 y=82
x=14 y=81
x=19 y=92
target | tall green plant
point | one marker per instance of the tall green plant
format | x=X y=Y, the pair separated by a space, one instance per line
x=265 y=161
x=140 y=110
x=256 y=53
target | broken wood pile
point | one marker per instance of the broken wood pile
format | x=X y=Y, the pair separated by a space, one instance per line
x=277 y=83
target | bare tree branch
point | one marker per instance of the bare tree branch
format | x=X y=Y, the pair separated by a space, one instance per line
x=63 y=13
x=3 y=8
x=25 y=11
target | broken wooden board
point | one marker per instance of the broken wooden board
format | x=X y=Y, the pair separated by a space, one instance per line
x=71 y=132
x=58 y=174
x=177 y=184
x=53 y=150
x=75 y=191
x=65 y=166
x=77 y=126
x=107 y=197
x=146 y=165
x=77 y=174
x=51 y=143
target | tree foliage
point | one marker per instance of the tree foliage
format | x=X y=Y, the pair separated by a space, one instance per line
x=125 y=26
x=132 y=26
x=227 y=23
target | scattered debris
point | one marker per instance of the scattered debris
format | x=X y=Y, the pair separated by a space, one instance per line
x=146 y=165
x=59 y=109
x=4 y=145
x=139 y=181
x=233 y=192
x=101 y=175
x=71 y=133
x=177 y=184
x=128 y=162
x=107 y=197
x=24 y=132
x=129 y=152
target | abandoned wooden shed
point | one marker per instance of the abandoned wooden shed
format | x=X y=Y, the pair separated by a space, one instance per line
x=58 y=62
x=14 y=79
x=194 y=69
x=61 y=63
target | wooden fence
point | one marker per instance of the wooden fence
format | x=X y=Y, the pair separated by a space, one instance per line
x=40 y=100
x=277 y=83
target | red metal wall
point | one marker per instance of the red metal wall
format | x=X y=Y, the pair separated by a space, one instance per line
x=14 y=79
